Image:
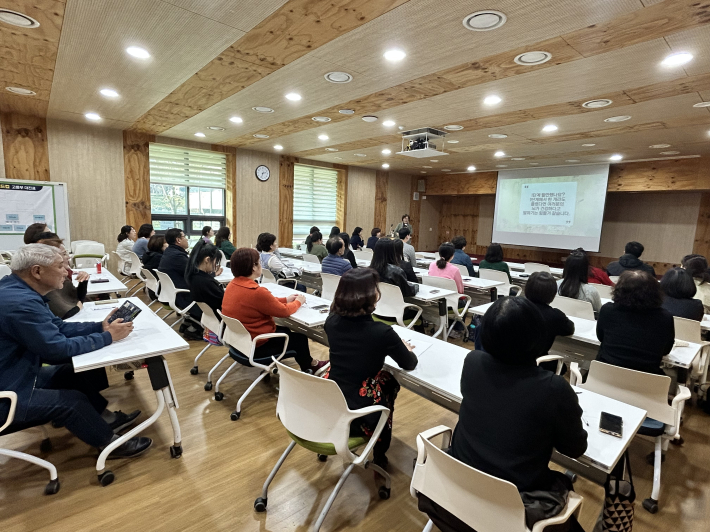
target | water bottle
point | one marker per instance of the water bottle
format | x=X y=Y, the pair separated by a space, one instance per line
x=98 y=267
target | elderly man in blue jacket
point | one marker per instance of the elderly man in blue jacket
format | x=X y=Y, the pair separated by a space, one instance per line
x=30 y=336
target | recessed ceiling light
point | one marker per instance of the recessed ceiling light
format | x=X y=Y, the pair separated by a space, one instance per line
x=471 y=168
x=386 y=151
x=446 y=170
x=427 y=167
x=260 y=136
x=385 y=165
x=452 y=141
x=501 y=166
x=199 y=134
x=260 y=109
x=533 y=58
x=215 y=128
x=293 y=96
x=16 y=18
x=533 y=164
x=400 y=128
x=484 y=20
x=320 y=119
x=702 y=104
x=236 y=120
x=278 y=147
x=360 y=155
x=622 y=118
x=323 y=137
x=331 y=149
x=596 y=104
x=338 y=77
x=659 y=146
x=433 y=160
x=109 y=93
x=497 y=136
x=588 y=145
x=492 y=100
x=369 y=118
x=394 y=55
x=20 y=91
x=499 y=154
x=388 y=123
x=670 y=152
x=572 y=160
x=346 y=112
x=137 y=52
x=92 y=116
x=453 y=128
x=517 y=158
x=549 y=128
x=616 y=157
x=677 y=59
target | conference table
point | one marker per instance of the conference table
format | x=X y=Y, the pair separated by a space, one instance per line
x=437 y=378
x=107 y=283
x=147 y=345
x=469 y=283
x=290 y=252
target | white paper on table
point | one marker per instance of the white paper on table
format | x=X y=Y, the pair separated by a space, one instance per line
x=420 y=347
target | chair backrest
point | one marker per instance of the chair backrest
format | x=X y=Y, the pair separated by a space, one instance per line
x=636 y=388
x=493 y=275
x=574 y=307
x=76 y=243
x=307 y=257
x=150 y=281
x=532 y=267
x=483 y=502
x=136 y=264
x=391 y=302
x=222 y=260
x=446 y=284
x=88 y=247
x=462 y=269
x=236 y=335
x=313 y=408
x=330 y=285
x=4 y=271
x=614 y=278
x=167 y=288
x=267 y=276
x=363 y=255
x=603 y=290
x=685 y=329
x=209 y=320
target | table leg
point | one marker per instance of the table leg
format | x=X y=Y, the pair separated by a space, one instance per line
x=443 y=321
x=494 y=295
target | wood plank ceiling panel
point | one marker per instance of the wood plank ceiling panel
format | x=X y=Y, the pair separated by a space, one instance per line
x=292 y=31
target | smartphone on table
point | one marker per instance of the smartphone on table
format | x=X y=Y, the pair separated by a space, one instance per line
x=128 y=311
x=611 y=424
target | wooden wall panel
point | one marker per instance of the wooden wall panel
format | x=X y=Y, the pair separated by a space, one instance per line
x=361 y=200
x=24 y=140
x=257 y=202
x=381 y=187
x=341 y=219
x=701 y=243
x=285 y=235
x=398 y=186
x=654 y=176
x=430 y=211
x=136 y=169
x=459 y=216
x=415 y=210
x=476 y=183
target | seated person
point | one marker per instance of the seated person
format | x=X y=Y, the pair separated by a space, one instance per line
x=575 y=280
x=372 y=241
x=697 y=267
x=460 y=256
x=494 y=261
x=125 y=245
x=68 y=301
x=405 y=235
x=335 y=263
x=444 y=268
x=204 y=288
x=255 y=308
x=356 y=240
x=141 y=245
x=207 y=234
x=33 y=231
x=513 y=413
x=36 y=349
x=271 y=260
x=334 y=231
x=385 y=263
x=153 y=256
x=679 y=295
x=316 y=247
x=222 y=242
x=630 y=260
x=635 y=331
x=358 y=348
x=348 y=253
x=407 y=267
x=310 y=237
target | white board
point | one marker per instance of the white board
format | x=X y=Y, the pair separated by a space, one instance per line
x=23 y=203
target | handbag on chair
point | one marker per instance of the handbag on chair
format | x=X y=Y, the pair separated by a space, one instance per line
x=619 y=495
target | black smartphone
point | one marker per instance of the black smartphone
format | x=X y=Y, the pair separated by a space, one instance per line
x=99 y=281
x=611 y=424
x=128 y=311
x=319 y=307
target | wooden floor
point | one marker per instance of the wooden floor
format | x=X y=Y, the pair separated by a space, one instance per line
x=213 y=486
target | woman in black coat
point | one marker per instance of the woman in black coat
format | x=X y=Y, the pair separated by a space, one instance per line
x=200 y=277
x=679 y=295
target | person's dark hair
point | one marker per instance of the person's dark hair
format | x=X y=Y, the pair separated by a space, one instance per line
x=222 y=235
x=494 y=253
x=375 y=231
x=49 y=238
x=313 y=230
x=638 y=290
x=346 y=241
x=33 y=230
x=405 y=216
x=145 y=231
x=171 y=235
x=125 y=231
x=634 y=248
x=399 y=250
x=357 y=293
x=200 y=252
x=264 y=242
x=315 y=237
x=446 y=251
x=334 y=245
x=242 y=262
x=334 y=231
x=541 y=287
x=697 y=266
x=356 y=231
x=383 y=255
x=678 y=283
x=156 y=243
x=575 y=274
x=513 y=331
x=206 y=230
x=404 y=233
x=459 y=242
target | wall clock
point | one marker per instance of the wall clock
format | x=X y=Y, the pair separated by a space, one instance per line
x=262 y=173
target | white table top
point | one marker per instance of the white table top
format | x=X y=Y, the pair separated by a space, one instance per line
x=432 y=293
x=426 y=255
x=151 y=336
x=308 y=267
x=225 y=277
x=290 y=252
x=519 y=266
x=304 y=315
x=93 y=289
x=468 y=282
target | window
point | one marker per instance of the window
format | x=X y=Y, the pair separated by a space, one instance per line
x=315 y=193
x=187 y=189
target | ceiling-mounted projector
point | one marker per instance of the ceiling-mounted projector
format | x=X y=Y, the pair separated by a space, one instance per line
x=423 y=142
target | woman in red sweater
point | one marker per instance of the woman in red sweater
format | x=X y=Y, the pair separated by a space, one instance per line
x=597 y=275
x=255 y=308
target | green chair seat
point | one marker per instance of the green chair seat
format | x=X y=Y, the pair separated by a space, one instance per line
x=394 y=322
x=327 y=449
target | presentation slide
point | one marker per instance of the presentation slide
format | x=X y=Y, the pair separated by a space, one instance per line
x=560 y=208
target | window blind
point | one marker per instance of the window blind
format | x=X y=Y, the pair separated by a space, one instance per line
x=173 y=165
x=315 y=192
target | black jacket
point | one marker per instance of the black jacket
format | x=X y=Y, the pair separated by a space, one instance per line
x=691 y=309
x=204 y=288
x=356 y=242
x=396 y=276
x=351 y=257
x=635 y=339
x=557 y=324
x=511 y=418
x=174 y=262
x=408 y=271
x=628 y=262
x=372 y=241
x=151 y=260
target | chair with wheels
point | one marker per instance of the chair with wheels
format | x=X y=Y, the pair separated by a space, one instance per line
x=646 y=391
x=268 y=277
x=167 y=296
x=506 y=289
x=452 y=301
x=690 y=331
x=483 y=502
x=307 y=257
x=462 y=269
x=392 y=304
x=209 y=322
x=4 y=270
x=223 y=261
x=330 y=285
x=86 y=254
x=135 y=273
x=532 y=267
x=574 y=307
x=316 y=417
x=53 y=486
x=125 y=278
x=152 y=284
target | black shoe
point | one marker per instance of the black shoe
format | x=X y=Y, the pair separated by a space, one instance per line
x=123 y=420
x=189 y=335
x=132 y=448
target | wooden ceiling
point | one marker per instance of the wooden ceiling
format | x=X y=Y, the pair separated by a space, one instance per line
x=214 y=59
